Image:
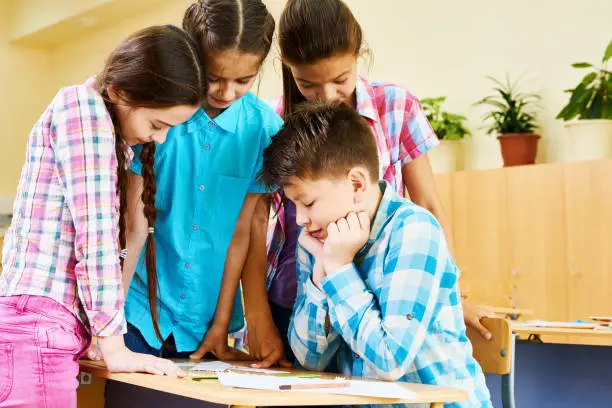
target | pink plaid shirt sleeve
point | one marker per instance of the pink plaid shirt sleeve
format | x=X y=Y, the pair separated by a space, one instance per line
x=417 y=136
x=63 y=242
x=87 y=166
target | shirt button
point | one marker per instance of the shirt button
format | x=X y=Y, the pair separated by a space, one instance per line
x=201 y=187
x=194 y=227
x=183 y=296
x=188 y=265
x=409 y=316
x=206 y=147
x=174 y=322
x=211 y=124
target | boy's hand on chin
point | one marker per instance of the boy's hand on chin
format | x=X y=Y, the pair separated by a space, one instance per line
x=315 y=248
x=311 y=244
x=345 y=238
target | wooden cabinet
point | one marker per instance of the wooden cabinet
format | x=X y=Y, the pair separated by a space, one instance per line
x=536 y=237
x=480 y=235
x=536 y=242
x=588 y=209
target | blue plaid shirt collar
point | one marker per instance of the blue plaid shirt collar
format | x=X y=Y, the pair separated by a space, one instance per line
x=387 y=207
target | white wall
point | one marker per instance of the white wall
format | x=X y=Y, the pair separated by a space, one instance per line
x=442 y=47
x=25 y=91
x=432 y=47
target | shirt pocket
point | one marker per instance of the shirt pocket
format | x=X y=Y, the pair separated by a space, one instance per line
x=233 y=190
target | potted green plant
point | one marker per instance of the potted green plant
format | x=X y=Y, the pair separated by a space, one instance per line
x=513 y=120
x=588 y=114
x=450 y=129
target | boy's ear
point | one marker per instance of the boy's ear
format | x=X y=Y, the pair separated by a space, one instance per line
x=358 y=177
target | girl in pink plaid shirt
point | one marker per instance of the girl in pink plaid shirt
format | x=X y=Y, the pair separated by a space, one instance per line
x=320 y=43
x=61 y=280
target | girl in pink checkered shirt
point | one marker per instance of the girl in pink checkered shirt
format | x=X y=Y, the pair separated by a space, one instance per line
x=61 y=270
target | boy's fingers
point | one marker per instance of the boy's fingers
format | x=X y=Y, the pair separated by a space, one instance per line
x=342 y=225
x=310 y=244
x=353 y=222
x=364 y=220
x=332 y=230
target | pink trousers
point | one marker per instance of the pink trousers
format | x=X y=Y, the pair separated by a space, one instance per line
x=40 y=343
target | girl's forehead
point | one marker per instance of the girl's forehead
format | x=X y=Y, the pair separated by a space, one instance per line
x=326 y=69
x=233 y=64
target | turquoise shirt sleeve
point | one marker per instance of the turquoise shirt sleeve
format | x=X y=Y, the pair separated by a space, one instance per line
x=270 y=129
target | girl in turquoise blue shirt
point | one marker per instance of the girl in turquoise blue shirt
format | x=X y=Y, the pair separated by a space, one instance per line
x=207 y=193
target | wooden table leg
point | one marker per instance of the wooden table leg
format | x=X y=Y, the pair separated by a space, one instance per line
x=241 y=406
x=437 y=405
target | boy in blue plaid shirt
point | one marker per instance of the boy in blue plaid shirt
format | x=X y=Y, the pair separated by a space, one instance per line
x=377 y=287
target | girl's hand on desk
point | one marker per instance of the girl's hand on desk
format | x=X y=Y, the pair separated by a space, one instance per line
x=265 y=344
x=93 y=353
x=119 y=359
x=215 y=342
x=129 y=362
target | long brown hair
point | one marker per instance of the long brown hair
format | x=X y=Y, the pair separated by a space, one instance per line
x=157 y=67
x=310 y=31
x=220 y=25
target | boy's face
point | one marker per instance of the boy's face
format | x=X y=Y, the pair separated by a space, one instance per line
x=321 y=202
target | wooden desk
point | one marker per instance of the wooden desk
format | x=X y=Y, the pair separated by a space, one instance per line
x=597 y=337
x=213 y=391
x=508 y=312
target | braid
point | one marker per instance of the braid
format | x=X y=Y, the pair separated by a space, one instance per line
x=122 y=190
x=147 y=158
x=120 y=152
x=205 y=10
x=196 y=20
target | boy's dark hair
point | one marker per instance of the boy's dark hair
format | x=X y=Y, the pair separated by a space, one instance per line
x=320 y=139
x=310 y=31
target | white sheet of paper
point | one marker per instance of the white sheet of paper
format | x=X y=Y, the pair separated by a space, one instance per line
x=215 y=366
x=186 y=365
x=565 y=325
x=357 y=387
x=220 y=366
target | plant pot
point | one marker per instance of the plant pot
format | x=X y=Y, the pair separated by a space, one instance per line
x=518 y=148
x=589 y=139
x=444 y=158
